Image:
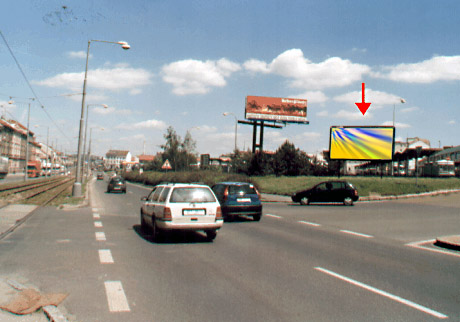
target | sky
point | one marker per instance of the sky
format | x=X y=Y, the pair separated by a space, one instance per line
x=191 y=61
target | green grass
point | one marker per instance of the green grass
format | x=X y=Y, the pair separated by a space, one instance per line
x=365 y=185
x=288 y=185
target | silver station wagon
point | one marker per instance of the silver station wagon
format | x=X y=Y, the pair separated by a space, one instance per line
x=181 y=206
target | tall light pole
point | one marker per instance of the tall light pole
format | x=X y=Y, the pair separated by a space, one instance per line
x=89 y=147
x=236 y=127
x=76 y=191
x=27 y=139
x=86 y=136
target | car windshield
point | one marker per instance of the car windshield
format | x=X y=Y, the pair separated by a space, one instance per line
x=117 y=180
x=242 y=189
x=192 y=194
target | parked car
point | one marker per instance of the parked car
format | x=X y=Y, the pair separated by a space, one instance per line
x=238 y=198
x=116 y=184
x=329 y=191
x=100 y=176
x=181 y=206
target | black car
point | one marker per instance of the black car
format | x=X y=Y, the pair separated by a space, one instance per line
x=100 y=176
x=238 y=198
x=117 y=184
x=330 y=191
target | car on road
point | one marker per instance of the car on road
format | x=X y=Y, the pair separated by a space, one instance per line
x=181 y=207
x=328 y=191
x=116 y=184
x=238 y=198
x=100 y=176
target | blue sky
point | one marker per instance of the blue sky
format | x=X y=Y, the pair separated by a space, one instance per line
x=191 y=61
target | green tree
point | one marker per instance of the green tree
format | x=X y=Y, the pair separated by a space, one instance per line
x=179 y=153
x=290 y=161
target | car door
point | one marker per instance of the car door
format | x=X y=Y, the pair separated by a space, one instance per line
x=152 y=203
x=320 y=193
x=337 y=192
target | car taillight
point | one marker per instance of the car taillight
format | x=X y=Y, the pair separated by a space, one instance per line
x=226 y=194
x=167 y=214
x=219 y=213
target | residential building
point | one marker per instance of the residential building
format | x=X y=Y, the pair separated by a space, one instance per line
x=115 y=158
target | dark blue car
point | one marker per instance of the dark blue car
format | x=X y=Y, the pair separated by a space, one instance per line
x=238 y=198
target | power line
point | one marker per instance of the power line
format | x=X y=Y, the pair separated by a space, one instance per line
x=30 y=87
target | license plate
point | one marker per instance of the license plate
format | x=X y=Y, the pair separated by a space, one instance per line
x=243 y=199
x=193 y=212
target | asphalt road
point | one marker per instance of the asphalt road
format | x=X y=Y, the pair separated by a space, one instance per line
x=299 y=263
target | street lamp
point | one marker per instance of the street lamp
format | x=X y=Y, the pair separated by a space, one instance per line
x=89 y=147
x=76 y=191
x=236 y=126
x=86 y=134
x=402 y=100
x=27 y=138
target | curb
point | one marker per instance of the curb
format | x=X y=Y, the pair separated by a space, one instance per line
x=450 y=242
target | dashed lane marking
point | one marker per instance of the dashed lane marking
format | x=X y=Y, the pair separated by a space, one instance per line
x=385 y=294
x=273 y=216
x=96 y=216
x=116 y=297
x=95 y=209
x=356 y=234
x=100 y=236
x=98 y=224
x=309 y=223
x=105 y=256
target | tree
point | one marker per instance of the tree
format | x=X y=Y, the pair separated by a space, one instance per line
x=179 y=153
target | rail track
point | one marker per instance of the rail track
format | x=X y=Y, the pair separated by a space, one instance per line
x=37 y=192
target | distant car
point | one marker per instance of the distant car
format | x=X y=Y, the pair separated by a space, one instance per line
x=116 y=184
x=238 y=198
x=100 y=176
x=181 y=206
x=330 y=191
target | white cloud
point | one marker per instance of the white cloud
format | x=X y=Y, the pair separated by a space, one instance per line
x=78 y=54
x=452 y=122
x=409 y=109
x=110 y=110
x=309 y=136
x=114 y=79
x=376 y=98
x=149 y=124
x=359 y=50
x=196 y=76
x=313 y=97
x=137 y=137
x=428 y=71
x=354 y=115
x=398 y=125
x=332 y=72
x=323 y=113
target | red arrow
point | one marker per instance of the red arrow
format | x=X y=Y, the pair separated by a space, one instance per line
x=363 y=106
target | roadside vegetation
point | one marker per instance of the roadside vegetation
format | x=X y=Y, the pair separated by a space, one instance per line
x=283 y=172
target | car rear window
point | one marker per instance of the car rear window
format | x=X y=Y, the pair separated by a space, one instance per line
x=192 y=194
x=242 y=189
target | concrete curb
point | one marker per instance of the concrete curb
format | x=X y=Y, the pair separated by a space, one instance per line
x=450 y=242
x=287 y=199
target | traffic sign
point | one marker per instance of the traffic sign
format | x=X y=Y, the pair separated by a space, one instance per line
x=166 y=165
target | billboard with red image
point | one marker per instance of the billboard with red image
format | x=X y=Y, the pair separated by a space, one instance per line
x=276 y=109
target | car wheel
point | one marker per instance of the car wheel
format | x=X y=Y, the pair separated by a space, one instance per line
x=144 y=227
x=304 y=201
x=348 y=201
x=211 y=235
x=257 y=217
x=155 y=231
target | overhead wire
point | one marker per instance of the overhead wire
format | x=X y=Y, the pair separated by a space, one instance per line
x=31 y=88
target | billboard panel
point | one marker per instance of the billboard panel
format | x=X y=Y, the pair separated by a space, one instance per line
x=361 y=143
x=276 y=109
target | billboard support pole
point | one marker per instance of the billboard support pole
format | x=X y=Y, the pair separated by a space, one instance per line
x=261 y=137
x=254 y=137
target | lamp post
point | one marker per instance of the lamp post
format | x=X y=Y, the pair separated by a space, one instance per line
x=236 y=127
x=89 y=146
x=86 y=132
x=76 y=191
x=402 y=100
x=27 y=139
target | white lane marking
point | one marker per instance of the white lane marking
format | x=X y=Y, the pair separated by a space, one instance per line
x=105 y=256
x=356 y=234
x=98 y=224
x=95 y=210
x=309 y=223
x=383 y=293
x=431 y=241
x=100 y=236
x=96 y=216
x=274 y=216
x=116 y=297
